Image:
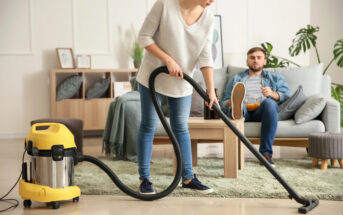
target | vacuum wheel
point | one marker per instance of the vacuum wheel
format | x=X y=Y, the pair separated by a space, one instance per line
x=55 y=205
x=27 y=203
x=76 y=199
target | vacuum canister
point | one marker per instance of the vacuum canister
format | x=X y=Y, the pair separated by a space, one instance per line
x=53 y=156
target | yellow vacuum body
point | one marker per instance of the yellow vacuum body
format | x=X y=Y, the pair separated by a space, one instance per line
x=52 y=151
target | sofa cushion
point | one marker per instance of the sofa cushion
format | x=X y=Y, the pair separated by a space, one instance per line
x=197 y=108
x=220 y=80
x=287 y=128
x=291 y=105
x=233 y=70
x=313 y=106
x=310 y=77
x=326 y=86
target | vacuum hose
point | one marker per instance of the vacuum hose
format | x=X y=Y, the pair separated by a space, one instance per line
x=126 y=189
x=113 y=176
x=307 y=205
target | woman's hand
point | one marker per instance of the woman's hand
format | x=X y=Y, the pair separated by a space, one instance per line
x=213 y=99
x=174 y=68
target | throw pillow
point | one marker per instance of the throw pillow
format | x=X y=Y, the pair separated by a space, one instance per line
x=313 y=106
x=291 y=105
x=197 y=106
x=69 y=87
x=220 y=79
x=98 y=88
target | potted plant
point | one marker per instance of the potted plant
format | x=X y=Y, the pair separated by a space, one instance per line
x=137 y=54
x=304 y=40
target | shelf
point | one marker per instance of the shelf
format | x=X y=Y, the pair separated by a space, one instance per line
x=92 y=111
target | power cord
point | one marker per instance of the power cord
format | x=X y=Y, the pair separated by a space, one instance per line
x=13 y=202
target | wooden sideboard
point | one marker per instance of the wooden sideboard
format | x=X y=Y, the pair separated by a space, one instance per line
x=93 y=112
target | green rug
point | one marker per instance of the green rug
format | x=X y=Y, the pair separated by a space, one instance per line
x=253 y=182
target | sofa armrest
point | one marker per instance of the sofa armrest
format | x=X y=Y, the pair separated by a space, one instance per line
x=331 y=115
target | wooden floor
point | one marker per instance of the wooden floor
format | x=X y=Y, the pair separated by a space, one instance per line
x=10 y=165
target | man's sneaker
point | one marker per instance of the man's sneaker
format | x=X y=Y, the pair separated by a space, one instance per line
x=269 y=159
x=146 y=187
x=237 y=97
x=195 y=184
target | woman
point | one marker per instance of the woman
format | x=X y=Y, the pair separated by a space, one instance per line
x=176 y=34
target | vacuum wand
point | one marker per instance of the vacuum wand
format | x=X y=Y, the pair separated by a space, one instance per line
x=307 y=204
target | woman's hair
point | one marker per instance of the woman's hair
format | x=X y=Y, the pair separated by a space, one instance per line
x=255 y=49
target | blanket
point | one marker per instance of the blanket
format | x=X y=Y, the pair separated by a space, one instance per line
x=122 y=125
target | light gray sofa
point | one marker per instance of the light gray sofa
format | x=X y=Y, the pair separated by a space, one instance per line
x=288 y=132
x=123 y=120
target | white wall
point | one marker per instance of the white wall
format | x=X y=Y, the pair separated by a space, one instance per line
x=328 y=16
x=30 y=30
x=249 y=23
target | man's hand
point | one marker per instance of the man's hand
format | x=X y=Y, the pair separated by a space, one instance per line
x=268 y=92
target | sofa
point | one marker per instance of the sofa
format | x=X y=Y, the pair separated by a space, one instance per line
x=289 y=133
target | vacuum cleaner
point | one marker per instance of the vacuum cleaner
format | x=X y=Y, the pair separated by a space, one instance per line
x=52 y=149
x=53 y=157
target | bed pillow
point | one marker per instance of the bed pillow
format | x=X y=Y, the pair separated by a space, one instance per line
x=291 y=105
x=313 y=106
x=69 y=87
x=98 y=88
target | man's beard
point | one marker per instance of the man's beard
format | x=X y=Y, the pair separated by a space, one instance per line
x=251 y=68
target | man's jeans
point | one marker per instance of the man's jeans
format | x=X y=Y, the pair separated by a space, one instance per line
x=267 y=114
x=179 y=109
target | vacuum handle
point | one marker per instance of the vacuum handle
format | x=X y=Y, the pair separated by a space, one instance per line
x=47 y=124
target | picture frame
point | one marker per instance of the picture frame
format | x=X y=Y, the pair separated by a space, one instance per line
x=83 y=61
x=65 y=58
x=217 y=43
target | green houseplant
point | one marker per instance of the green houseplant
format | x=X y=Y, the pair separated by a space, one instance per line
x=304 y=40
x=137 y=54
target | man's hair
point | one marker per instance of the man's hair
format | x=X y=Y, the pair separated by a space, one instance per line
x=255 y=49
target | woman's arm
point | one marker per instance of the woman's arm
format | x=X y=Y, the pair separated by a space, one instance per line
x=207 y=73
x=173 y=67
x=146 y=39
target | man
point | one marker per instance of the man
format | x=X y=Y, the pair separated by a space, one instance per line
x=255 y=94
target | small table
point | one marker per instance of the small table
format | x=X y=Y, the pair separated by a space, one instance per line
x=202 y=130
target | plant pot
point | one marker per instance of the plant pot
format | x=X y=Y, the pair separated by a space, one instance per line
x=137 y=64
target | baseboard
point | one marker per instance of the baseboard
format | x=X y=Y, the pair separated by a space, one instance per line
x=12 y=135
x=93 y=133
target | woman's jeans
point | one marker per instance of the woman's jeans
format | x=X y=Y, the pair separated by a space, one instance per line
x=267 y=114
x=179 y=109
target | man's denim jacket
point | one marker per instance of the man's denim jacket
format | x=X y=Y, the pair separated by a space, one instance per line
x=273 y=80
